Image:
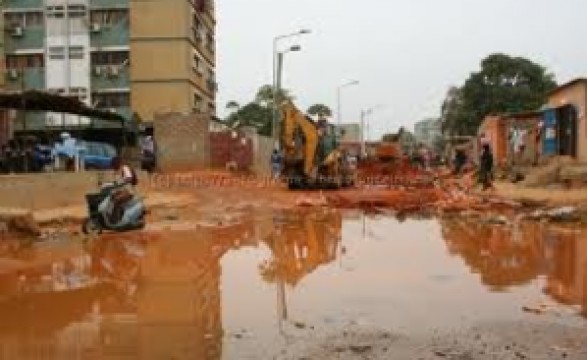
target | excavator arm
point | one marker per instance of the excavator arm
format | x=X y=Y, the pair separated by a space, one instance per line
x=292 y=120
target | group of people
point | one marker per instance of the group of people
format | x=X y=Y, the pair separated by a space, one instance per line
x=24 y=155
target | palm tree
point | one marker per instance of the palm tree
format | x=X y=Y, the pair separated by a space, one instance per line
x=319 y=110
x=264 y=95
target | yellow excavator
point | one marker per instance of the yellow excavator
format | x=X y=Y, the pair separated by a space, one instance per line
x=311 y=155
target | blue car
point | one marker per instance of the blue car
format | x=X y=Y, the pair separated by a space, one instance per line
x=97 y=155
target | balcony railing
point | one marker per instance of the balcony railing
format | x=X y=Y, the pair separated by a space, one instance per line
x=107 y=35
x=31 y=121
x=23 y=4
x=110 y=77
x=25 y=79
x=24 y=38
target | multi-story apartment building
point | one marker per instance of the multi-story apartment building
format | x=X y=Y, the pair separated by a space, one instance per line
x=131 y=56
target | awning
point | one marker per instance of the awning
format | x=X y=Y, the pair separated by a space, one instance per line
x=33 y=100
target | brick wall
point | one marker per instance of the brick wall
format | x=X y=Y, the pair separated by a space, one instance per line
x=183 y=141
x=228 y=146
x=494 y=128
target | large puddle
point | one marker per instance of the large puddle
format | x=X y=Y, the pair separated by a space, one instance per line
x=243 y=289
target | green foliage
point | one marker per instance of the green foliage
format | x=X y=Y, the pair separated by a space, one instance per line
x=503 y=85
x=257 y=113
x=319 y=110
x=264 y=96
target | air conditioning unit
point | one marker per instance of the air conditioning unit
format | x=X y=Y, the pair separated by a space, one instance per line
x=98 y=70
x=96 y=27
x=13 y=74
x=17 y=31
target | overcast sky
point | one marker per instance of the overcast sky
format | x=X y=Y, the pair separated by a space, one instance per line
x=405 y=53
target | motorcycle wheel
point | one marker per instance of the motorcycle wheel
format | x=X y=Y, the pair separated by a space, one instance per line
x=91 y=227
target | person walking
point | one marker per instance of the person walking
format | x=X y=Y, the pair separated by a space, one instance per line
x=486 y=168
x=276 y=161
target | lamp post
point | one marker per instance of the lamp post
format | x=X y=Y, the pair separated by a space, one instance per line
x=338 y=102
x=277 y=90
x=275 y=70
x=364 y=114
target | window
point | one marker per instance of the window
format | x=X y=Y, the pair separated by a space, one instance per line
x=210 y=42
x=14 y=20
x=55 y=12
x=76 y=52
x=56 y=53
x=79 y=92
x=33 y=19
x=76 y=11
x=24 y=61
x=197 y=64
x=111 y=100
x=109 y=17
x=100 y=58
x=198 y=102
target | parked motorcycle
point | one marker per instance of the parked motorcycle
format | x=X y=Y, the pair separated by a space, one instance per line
x=101 y=208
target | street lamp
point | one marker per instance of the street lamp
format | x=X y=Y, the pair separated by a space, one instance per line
x=364 y=114
x=338 y=103
x=275 y=72
x=277 y=89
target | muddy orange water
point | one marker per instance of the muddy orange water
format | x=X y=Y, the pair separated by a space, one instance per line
x=242 y=289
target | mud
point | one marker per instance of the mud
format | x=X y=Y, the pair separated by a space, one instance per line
x=260 y=273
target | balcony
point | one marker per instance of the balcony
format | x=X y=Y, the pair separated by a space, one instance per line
x=23 y=4
x=26 y=79
x=109 y=4
x=106 y=35
x=110 y=77
x=28 y=38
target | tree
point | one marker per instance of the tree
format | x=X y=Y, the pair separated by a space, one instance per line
x=504 y=84
x=258 y=113
x=254 y=115
x=264 y=96
x=319 y=110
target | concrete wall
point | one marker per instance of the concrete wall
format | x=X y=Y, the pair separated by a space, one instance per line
x=45 y=191
x=183 y=141
x=262 y=149
x=574 y=95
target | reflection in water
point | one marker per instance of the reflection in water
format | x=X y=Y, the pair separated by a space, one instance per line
x=149 y=297
x=158 y=296
x=515 y=255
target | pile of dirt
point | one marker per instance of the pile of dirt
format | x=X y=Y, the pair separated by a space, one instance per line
x=18 y=223
x=548 y=173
